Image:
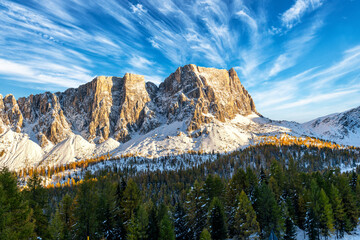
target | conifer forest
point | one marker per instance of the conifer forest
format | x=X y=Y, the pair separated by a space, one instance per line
x=247 y=194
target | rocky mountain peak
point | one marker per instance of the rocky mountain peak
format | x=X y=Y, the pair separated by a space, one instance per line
x=205 y=94
x=120 y=106
x=10 y=112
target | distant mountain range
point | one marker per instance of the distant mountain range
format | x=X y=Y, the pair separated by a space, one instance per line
x=195 y=108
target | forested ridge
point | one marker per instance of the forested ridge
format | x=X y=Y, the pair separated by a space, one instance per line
x=241 y=195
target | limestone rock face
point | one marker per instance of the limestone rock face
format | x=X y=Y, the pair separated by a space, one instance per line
x=131 y=107
x=88 y=107
x=204 y=94
x=106 y=106
x=10 y=112
x=44 y=113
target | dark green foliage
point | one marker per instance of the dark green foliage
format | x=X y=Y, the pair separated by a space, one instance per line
x=16 y=219
x=85 y=210
x=287 y=182
x=167 y=231
x=338 y=211
x=38 y=200
x=197 y=208
x=217 y=220
x=205 y=235
x=268 y=211
x=290 y=230
x=153 y=230
x=245 y=218
x=180 y=223
x=67 y=217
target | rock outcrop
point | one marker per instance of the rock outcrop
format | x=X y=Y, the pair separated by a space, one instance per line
x=10 y=112
x=43 y=113
x=131 y=108
x=204 y=94
x=119 y=107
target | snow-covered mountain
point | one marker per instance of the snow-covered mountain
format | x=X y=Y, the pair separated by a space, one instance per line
x=342 y=127
x=195 y=108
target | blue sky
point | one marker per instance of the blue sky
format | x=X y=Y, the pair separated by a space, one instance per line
x=299 y=59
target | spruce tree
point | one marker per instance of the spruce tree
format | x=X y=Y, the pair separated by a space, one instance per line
x=213 y=187
x=67 y=216
x=131 y=200
x=119 y=228
x=338 y=211
x=153 y=226
x=236 y=184
x=56 y=226
x=38 y=201
x=167 y=231
x=217 y=220
x=85 y=209
x=245 y=221
x=132 y=229
x=196 y=206
x=205 y=235
x=349 y=201
x=268 y=212
x=142 y=222
x=180 y=223
x=312 y=215
x=325 y=214
x=290 y=230
x=16 y=222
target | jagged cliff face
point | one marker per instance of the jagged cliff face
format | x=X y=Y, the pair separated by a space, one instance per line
x=119 y=107
x=204 y=94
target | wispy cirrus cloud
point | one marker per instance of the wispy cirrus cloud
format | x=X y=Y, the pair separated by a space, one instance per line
x=64 y=43
x=293 y=15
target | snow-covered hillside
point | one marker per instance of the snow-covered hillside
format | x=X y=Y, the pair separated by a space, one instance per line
x=343 y=128
x=173 y=139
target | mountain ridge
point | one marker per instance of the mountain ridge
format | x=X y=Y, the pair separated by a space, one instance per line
x=195 y=108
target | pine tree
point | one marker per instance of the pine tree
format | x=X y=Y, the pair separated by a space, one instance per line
x=67 y=217
x=153 y=226
x=290 y=230
x=37 y=196
x=213 y=187
x=132 y=229
x=85 y=209
x=56 y=226
x=119 y=228
x=180 y=223
x=338 y=211
x=196 y=206
x=267 y=211
x=217 y=220
x=349 y=202
x=325 y=214
x=131 y=200
x=16 y=220
x=167 y=231
x=245 y=218
x=142 y=222
x=205 y=235
x=312 y=215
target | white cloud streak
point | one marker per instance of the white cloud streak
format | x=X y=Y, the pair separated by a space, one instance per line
x=293 y=15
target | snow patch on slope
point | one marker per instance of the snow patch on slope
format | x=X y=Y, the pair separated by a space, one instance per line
x=18 y=150
x=69 y=150
x=343 y=128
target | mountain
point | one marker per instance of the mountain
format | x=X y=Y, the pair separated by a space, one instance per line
x=339 y=127
x=195 y=108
